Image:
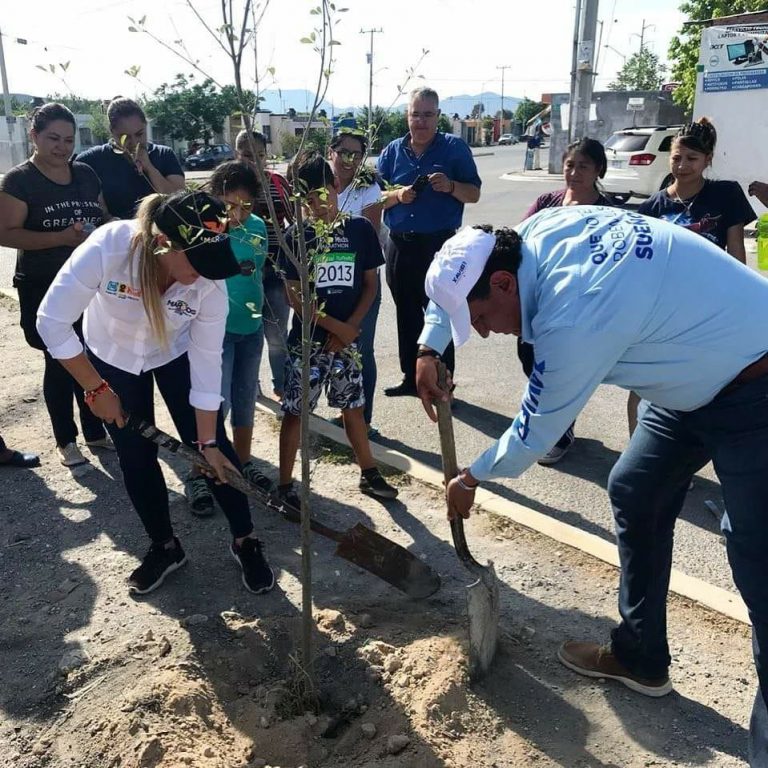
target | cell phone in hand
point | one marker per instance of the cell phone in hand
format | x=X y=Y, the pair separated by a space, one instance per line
x=420 y=183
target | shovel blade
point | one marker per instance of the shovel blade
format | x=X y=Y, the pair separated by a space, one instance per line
x=483 y=613
x=389 y=561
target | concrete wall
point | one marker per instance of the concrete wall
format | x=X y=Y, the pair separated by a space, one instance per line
x=609 y=113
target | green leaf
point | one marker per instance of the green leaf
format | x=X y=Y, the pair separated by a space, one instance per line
x=305 y=40
x=334 y=42
x=40 y=66
x=142 y=20
x=132 y=29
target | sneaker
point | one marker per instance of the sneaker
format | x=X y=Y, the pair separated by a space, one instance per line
x=286 y=496
x=257 y=575
x=105 y=443
x=157 y=564
x=373 y=484
x=71 y=455
x=199 y=496
x=404 y=389
x=253 y=476
x=593 y=660
x=562 y=447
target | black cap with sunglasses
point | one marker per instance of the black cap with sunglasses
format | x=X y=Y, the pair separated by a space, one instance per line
x=197 y=223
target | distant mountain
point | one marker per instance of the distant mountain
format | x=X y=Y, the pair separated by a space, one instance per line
x=463 y=104
x=301 y=101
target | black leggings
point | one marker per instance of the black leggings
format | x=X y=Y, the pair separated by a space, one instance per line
x=142 y=474
x=58 y=386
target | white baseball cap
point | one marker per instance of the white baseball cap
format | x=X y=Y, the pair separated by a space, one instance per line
x=456 y=268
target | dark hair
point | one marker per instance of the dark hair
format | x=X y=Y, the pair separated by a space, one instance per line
x=700 y=136
x=344 y=134
x=121 y=107
x=234 y=175
x=310 y=171
x=592 y=149
x=44 y=115
x=505 y=256
x=241 y=140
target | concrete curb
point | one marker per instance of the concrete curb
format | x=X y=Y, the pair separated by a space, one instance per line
x=708 y=595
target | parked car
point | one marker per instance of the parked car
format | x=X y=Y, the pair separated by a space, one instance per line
x=207 y=158
x=638 y=161
x=507 y=138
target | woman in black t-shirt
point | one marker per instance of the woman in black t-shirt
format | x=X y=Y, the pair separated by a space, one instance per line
x=715 y=209
x=48 y=205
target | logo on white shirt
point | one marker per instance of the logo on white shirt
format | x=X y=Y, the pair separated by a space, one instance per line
x=181 y=308
x=123 y=291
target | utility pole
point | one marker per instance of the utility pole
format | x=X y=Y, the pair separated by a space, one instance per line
x=574 y=71
x=10 y=120
x=501 y=121
x=585 y=70
x=369 y=56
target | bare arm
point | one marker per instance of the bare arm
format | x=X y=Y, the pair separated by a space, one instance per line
x=735 y=243
x=370 y=286
x=347 y=332
x=373 y=214
x=465 y=192
x=13 y=214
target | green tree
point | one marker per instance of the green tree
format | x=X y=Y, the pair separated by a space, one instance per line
x=187 y=110
x=684 y=47
x=642 y=71
x=444 y=124
x=526 y=109
x=99 y=124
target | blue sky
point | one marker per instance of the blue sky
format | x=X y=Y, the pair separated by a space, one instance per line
x=466 y=43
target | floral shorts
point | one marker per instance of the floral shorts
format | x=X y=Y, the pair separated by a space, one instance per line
x=340 y=373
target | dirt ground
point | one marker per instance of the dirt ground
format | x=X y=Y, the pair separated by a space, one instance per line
x=202 y=673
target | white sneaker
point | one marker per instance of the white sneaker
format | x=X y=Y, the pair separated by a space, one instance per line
x=71 y=455
x=105 y=443
x=558 y=452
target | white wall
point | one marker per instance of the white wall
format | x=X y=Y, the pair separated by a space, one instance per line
x=740 y=116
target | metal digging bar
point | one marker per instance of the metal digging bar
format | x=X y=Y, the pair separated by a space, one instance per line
x=359 y=544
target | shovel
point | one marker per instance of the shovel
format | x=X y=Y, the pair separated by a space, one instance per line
x=483 y=593
x=360 y=545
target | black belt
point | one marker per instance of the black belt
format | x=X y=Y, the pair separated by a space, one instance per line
x=410 y=237
x=753 y=371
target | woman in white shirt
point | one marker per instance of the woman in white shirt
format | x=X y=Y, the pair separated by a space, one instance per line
x=360 y=195
x=155 y=312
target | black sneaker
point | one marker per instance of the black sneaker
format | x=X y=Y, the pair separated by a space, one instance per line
x=252 y=475
x=372 y=483
x=157 y=564
x=405 y=388
x=287 y=496
x=257 y=575
x=199 y=496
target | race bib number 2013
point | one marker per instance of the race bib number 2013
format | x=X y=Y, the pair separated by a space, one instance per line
x=334 y=269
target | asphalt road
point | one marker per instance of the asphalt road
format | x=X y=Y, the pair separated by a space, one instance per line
x=489 y=386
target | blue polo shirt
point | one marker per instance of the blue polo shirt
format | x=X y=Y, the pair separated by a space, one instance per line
x=122 y=185
x=431 y=211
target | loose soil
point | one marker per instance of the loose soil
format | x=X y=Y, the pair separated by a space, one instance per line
x=202 y=673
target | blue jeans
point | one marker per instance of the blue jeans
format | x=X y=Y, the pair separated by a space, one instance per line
x=275 y=323
x=365 y=343
x=647 y=487
x=240 y=361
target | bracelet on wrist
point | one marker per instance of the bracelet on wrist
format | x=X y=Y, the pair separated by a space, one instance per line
x=427 y=352
x=203 y=444
x=463 y=484
x=89 y=395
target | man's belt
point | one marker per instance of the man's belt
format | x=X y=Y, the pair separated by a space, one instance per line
x=410 y=237
x=753 y=371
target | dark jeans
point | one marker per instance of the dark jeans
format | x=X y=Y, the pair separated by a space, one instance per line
x=275 y=322
x=142 y=475
x=647 y=487
x=408 y=259
x=365 y=344
x=58 y=386
x=526 y=355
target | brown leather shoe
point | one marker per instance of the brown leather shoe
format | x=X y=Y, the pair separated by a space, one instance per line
x=593 y=660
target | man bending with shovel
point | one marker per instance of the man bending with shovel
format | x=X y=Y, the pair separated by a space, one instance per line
x=611 y=296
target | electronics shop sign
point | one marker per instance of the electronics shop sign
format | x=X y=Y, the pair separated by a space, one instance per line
x=734 y=59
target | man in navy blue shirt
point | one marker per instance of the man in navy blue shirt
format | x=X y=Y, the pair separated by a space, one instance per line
x=429 y=176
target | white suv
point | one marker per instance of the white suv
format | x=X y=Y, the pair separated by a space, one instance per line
x=638 y=161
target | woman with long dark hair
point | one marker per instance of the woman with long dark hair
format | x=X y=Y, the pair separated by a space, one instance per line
x=48 y=206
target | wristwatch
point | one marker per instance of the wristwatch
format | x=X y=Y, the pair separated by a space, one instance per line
x=427 y=352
